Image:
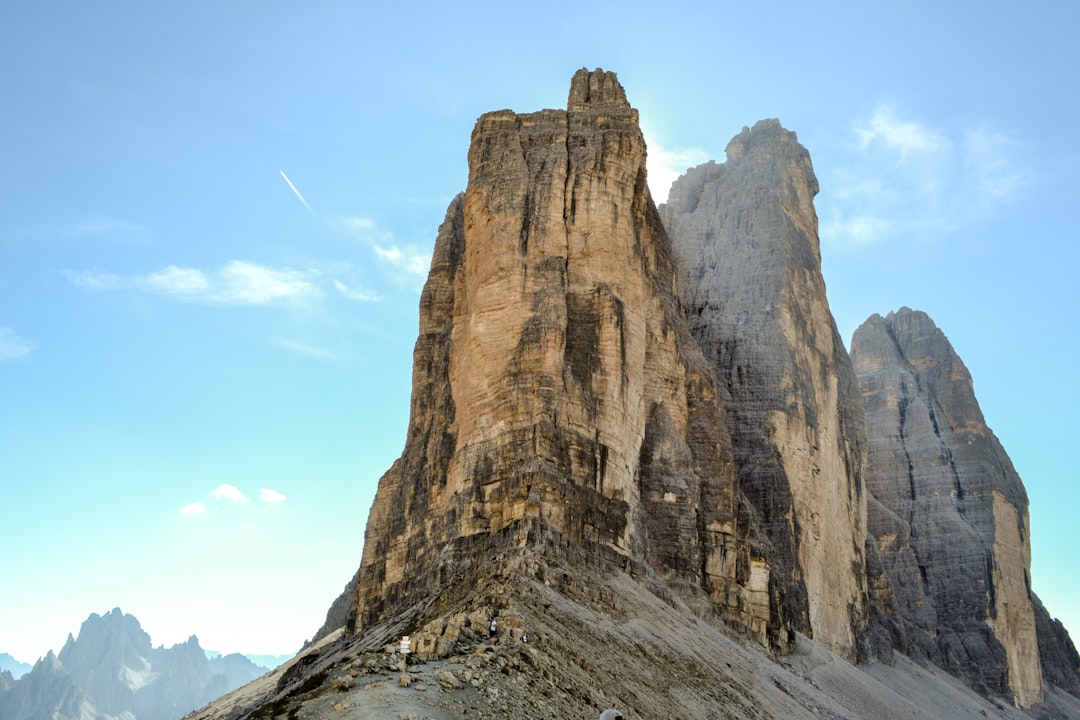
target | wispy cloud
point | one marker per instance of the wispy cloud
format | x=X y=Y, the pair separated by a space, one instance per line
x=900 y=178
x=355 y=293
x=270 y=496
x=306 y=349
x=904 y=137
x=407 y=263
x=236 y=283
x=106 y=228
x=12 y=346
x=296 y=192
x=244 y=283
x=175 y=280
x=665 y=164
x=408 y=259
x=195 y=508
x=229 y=492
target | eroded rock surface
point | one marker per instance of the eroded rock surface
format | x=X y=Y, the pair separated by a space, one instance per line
x=559 y=399
x=744 y=233
x=951 y=521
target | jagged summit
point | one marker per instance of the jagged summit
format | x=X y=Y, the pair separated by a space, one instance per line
x=112 y=672
x=559 y=401
x=596 y=88
x=951 y=517
x=744 y=233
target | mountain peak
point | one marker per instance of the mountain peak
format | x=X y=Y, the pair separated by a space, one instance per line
x=111 y=670
x=560 y=405
x=596 y=88
x=634 y=433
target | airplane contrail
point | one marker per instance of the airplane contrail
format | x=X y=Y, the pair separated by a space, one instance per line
x=296 y=192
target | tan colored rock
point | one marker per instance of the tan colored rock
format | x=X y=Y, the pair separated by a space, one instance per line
x=559 y=400
x=1013 y=616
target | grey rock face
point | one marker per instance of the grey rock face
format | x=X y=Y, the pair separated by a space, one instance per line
x=744 y=234
x=950 y=520
x=1057 y=654
x=112 y=671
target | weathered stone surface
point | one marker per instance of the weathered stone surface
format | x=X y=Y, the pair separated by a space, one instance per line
x=569 y=468
x=951 y=520
x=1057 y=654
x=744 y=233
x=559 y=399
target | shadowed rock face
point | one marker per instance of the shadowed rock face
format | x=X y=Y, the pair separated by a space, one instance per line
x=1057 y=654
x=559 y=400
x=744 y=234
x=951 y=519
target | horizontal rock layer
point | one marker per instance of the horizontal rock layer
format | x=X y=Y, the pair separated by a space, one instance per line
x=558 y=397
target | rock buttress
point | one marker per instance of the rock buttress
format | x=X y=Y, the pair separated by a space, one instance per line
x=558 y=397
x=744 y=233
x=950 y=514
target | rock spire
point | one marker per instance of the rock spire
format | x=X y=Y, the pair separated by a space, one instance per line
x=559 y=401
x=744 y=233
x=951 y=514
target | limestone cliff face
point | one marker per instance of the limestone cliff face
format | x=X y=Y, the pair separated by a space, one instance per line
x=744 y=233
x=951 y=519
x=559 y=399
x=1057 y=654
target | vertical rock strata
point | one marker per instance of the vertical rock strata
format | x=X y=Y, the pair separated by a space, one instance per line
x=588 y=393
x=951 y=519
x=559 y=399
x=744 y=233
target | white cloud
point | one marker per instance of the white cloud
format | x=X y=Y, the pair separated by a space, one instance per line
x=236 y=283
x=175 y=280
x=664 y=165
x=902 y=179
x=226 y=491
x=270 y=496
x=408 y=262
x=244 y=283
x=13 y=347
x=195 y=508
x=359 y=225
x=411 y=260
x=94 y=280
x=905 y=137
x=355 y=293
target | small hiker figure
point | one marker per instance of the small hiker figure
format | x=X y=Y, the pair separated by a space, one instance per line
x=493 y=628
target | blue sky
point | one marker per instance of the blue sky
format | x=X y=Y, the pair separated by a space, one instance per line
x=215 y=219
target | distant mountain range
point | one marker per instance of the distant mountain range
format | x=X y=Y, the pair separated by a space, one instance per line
x=13 y=666
x=264 y=661
x=113 y=672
